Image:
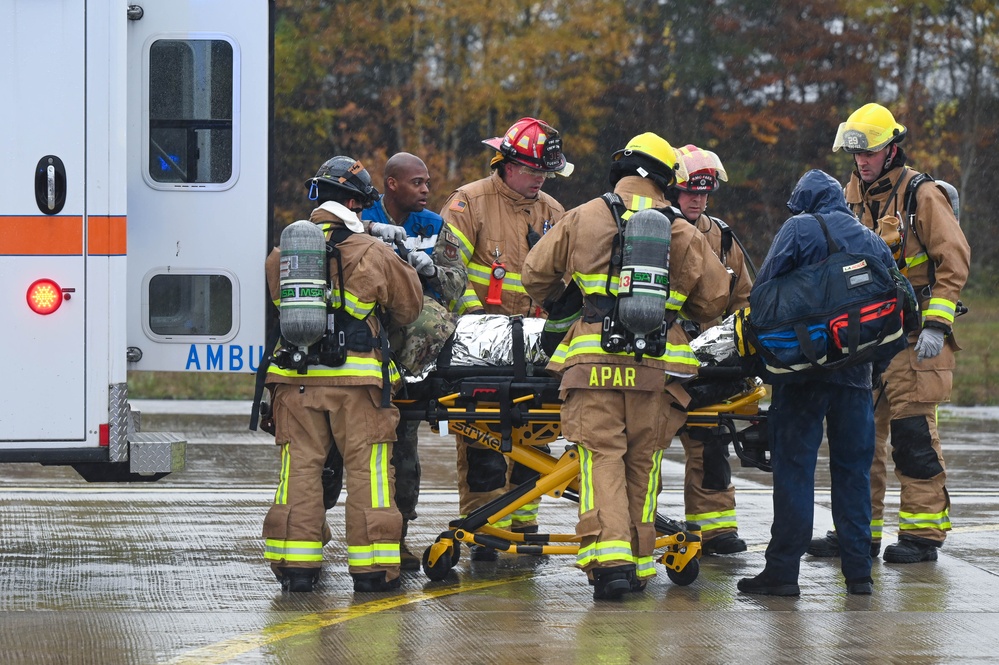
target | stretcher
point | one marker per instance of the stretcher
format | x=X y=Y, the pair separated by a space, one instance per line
x=515 y=409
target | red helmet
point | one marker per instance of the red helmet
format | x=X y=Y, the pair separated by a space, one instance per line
x=704 y=170
x=534 y=144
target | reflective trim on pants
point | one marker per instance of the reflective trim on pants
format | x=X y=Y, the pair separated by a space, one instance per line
x=293 y=550
x=381 y=490
x=724 y=519
x=605 y=551
x=910 y=521
x=281 y=494
x=652 y=490
x=646 y=566
x=376 y=554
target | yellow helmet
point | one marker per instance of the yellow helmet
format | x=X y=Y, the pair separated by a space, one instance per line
x=657 y=148
x=870 y=128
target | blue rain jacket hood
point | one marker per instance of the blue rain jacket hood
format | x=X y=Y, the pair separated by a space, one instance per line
x=800 y=242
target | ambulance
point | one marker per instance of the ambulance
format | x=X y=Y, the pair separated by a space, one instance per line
x=134 y=216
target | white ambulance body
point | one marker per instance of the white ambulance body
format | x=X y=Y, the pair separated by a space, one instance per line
x=133 y=215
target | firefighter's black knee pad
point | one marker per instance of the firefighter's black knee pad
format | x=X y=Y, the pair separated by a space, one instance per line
x=486 y=470
x=717 y=472
x=912 y=448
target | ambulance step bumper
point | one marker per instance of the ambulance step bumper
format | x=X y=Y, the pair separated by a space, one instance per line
x=156 y=452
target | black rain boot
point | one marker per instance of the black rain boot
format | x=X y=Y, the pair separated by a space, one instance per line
x=373 y=582
x=726 y=543
x=297 y=580
x=912 y=549
x=612 y=583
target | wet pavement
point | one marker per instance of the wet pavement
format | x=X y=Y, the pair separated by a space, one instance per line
x=172 y=572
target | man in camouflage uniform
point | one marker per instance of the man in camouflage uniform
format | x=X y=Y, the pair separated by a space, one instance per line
x=401 y=219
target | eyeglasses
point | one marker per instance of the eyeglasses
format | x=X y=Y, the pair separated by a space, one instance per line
x=534 y=173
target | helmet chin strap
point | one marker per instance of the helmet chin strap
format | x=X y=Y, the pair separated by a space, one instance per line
x=889 y=158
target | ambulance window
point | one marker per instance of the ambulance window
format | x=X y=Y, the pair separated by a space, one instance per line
x=190 y=305
x=191 y=99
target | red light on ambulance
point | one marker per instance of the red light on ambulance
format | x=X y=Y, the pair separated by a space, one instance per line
x=44 y=296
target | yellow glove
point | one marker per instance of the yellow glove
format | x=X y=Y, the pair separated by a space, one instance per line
x=742 y=345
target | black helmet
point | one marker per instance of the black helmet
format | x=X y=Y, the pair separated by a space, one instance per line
x=342 y=177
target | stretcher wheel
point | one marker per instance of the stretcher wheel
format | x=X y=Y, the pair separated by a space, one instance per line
x=685 y=576
x=444 y=564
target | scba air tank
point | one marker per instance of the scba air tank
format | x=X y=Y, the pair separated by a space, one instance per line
x=303 y=284
x=644 y=285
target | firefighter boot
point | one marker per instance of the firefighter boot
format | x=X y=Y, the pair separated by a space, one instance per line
x=612 y=583
x=726 y=543
x=483 y=553
x=407 y=560
x=374 y=582
x=828 y=546
x=297 y=580
x=912 y=549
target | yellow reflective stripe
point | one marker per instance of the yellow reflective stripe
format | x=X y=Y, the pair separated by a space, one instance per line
x=293 y=550
x=354 y=367
x=281 y=494
x=562 y=325
x=585 y=480
x=526 y=513
x=595 y=284
x=377 y=554
x=378 y=467
x=915 y=260
x=590 y=344
x=277 y=302
x=503 y=522
x=356 y=308
x=942 y=308
x=877 y=528
x=640 y=202
x=604 y=551
x=478 y=273
x=468 y=300
x=676 y=300
x=645 y=566
x=717 y=520
x=652 y=491
x=909 y=521
x=466 y=247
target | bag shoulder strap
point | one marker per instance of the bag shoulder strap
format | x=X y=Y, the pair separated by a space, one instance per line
x=833 y=247
x=726 y=234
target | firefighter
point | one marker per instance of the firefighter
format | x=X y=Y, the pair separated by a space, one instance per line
x=622 y=410
x=345 y=401
x=400 y=217
x=497 y=220
x=708 y=492
x=933 y=253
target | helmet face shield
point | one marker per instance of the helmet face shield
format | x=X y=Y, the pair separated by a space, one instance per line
x=704 y=168
x=856 y=137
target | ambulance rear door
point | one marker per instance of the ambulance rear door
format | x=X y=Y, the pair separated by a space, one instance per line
x=198 y=202
x=43 y=175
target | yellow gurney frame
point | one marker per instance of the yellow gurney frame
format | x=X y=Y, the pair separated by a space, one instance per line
x=512 y=413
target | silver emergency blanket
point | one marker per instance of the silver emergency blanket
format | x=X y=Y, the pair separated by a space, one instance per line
x=486 y=340
x=716 y=345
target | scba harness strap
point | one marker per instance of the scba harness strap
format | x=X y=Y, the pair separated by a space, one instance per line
x=343 y=333
x=615 y=337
